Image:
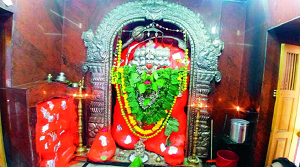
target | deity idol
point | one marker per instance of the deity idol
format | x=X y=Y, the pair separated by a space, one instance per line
x=151 y=81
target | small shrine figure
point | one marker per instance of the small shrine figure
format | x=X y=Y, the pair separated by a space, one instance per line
x=139 y=149
x=139 y=153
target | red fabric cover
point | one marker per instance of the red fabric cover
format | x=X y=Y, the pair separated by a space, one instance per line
x=126 y=139
x=103 y=147
x=174 y=155
x=56 y=132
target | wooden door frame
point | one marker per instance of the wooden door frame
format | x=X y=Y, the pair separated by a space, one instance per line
x=288 y=94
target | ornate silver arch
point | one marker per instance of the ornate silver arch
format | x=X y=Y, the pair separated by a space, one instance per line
x=204 y=60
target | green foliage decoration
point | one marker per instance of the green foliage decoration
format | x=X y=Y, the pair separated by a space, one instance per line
x=167 y=81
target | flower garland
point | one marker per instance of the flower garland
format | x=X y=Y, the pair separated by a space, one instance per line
x=186 y=69
x=113 y=74
x=130 y=116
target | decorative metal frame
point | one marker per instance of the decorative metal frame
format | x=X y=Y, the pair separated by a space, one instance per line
x=204 y=62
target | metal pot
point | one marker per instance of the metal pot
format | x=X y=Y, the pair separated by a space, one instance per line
x=61 y=77
x=238 y=130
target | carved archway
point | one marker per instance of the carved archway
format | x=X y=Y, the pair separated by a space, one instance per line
x=204 y=59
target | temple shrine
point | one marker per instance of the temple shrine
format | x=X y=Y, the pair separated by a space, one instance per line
x=149 y=83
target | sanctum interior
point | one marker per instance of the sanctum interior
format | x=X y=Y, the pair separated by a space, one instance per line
x=149 y=83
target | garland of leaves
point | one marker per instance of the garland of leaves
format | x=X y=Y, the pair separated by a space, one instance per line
x=130 y=120
x=166 y=80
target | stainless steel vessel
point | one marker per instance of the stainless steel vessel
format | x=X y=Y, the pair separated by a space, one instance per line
x=238 y=130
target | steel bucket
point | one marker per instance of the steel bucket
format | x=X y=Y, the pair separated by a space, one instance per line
x=238 y=130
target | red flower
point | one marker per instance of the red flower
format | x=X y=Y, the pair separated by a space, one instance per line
x=147 y=82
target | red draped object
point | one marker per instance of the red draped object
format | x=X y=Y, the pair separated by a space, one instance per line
x=56 y=132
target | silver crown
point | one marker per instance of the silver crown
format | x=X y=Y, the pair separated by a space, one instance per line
x=149 y=54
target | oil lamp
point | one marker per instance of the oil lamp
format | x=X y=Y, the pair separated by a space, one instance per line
x=194 y=160
x=81 y=150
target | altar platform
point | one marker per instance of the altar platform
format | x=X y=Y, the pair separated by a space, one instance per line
x=121 y=158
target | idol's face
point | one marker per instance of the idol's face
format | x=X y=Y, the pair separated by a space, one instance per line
x=142 y=61
x=159 y=61
x=149 y=58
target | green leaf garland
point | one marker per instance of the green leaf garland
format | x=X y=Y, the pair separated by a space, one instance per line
x=167 y=81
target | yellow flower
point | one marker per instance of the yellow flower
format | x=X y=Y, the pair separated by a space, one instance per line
x=155 y=128
x=146 y=132
x=133 y=122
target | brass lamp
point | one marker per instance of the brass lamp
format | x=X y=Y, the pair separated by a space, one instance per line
x=194 y=160
x=81 y=150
